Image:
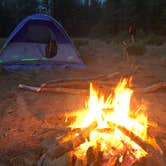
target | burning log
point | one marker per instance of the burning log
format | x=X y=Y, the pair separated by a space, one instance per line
x=94 y=156
x=144 y=145
x=61 y=149
x=70 y=135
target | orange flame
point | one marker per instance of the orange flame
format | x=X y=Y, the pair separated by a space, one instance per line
x=116 y=108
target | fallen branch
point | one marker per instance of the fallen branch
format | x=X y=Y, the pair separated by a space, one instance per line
x=144 y=145
x=67 y=90
x=58 y=89
x=61 y=149
x=98 y=77
x=161 y=145
x=66 y=84
x=155 y=133
x=27 y=87
x=78 y=84
x=152 y=88
x=108 y=76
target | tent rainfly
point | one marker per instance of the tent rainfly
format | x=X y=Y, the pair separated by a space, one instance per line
x=39 y=41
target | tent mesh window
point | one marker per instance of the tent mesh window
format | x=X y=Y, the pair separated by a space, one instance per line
x=38 y=34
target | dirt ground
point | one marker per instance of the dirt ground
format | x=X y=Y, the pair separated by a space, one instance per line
x=25 y=115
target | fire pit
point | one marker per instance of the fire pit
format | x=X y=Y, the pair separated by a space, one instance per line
x=107 y=132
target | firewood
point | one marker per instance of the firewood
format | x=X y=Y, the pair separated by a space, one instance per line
x=72 y=159
x=161 y=145
x=144 y=145
x=98 y=77
x=105 y=130
x=152 y=88
x=78 y=84
x=108 y=76
x=75 y=83
x=90 y=156
x=127 y=158
x=82 y=87
x=111 y=161
x=65 y=90
x=70 y=135
x=94 y=156
x=57 y=90
x=74 y=91
x=27 y=87
x=60 y=149
x=155 y=133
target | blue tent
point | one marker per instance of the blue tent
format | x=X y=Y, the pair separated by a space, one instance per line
x=28 y=44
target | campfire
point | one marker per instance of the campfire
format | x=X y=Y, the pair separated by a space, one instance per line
x=108 y=132
x=106 y=138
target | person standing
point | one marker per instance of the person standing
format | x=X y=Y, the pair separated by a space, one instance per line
x=132 y=33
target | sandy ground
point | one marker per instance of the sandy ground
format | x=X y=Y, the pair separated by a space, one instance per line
x=24 y=115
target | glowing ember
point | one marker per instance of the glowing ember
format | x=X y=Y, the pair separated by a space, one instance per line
x=116 y=109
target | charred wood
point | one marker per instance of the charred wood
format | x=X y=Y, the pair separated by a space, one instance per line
x=144 y=145
x=67 y=146
x=69 y=136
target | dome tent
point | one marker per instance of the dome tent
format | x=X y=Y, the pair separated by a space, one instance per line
x=26 y=46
